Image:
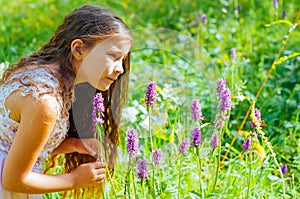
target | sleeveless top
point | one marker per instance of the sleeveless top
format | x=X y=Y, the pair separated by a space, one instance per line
x=40 y=84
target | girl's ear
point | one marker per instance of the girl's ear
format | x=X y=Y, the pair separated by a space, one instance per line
x=77 y=48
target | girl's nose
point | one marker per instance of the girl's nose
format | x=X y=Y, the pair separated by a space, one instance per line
x=119 y=67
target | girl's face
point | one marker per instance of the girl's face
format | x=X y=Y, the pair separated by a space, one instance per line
x=102 y=65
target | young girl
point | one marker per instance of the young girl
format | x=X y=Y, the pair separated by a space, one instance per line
x=92 y=47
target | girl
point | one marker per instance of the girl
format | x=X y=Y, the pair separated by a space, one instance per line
x=90 y=46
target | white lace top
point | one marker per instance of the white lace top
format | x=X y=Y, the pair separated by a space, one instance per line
x=39 y=83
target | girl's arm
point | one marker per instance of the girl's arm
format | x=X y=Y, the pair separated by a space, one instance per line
x=37 y=119
x=83 y=146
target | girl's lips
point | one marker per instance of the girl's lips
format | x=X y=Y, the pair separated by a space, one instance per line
x=111 y=79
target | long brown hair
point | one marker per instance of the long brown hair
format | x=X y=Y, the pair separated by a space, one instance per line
x=91 y=24
x=81 y=126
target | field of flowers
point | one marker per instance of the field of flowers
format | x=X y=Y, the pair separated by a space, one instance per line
x=214 y=95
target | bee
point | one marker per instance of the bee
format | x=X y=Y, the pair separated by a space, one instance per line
x=263 y=123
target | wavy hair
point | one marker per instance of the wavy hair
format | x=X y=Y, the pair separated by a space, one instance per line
x=81 y=126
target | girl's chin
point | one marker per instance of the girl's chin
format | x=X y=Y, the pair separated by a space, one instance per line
x=103 y=87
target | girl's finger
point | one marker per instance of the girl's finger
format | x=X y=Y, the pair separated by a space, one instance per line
x=99 y=165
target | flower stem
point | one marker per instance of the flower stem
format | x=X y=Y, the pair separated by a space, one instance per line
x=143 y=188
x=150 y=132
x=133 y=184
x=154 y=193
x=218 y=160
x=179 y=175
x=151 y=144
x=110 y=181
x=101 y=156
x=250 y=171
x=201 y=190
x=160 y=180
x=265 y=139
x=199 y=171
x=127 y=179
x=100 y=148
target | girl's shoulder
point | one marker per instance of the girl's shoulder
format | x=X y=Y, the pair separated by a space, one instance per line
x=35 y=82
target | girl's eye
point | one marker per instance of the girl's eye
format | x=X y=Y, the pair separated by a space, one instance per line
x=114 y=56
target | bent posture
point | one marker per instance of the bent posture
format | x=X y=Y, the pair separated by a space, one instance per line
x=90 y=46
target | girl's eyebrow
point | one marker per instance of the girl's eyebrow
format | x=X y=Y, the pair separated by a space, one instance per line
x=116 y=51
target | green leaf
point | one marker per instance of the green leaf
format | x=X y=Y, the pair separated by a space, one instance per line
x=194 y=195
x=212 y=195
x=163 y=186
x=275 y=178
x=280 y=22
x=204 y=125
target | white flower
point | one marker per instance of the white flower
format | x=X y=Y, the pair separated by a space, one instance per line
x=130 y=113
x=3 y=67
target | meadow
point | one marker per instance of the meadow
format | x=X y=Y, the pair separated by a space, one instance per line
x=186 y=48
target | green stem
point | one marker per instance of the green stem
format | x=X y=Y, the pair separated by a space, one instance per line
x=143 y=188
x=154 y=193
x=179 y=175
x=218 y=161
x=133 y=184
x=101 y=155
x=110 y=181
x=100 y=148
x=127 y=181
x=159 y=182
x=151 y=143
x=200 y=165
x=200 y=174
x=250 y=171
x=232 y=76
x=150 y=132
x=265 y=139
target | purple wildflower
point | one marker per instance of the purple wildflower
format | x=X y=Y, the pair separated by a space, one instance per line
x=98 y=109
x=220 y=119
x=258 y=116
x=239 y=8
x=247 y=144
x=233 y=53
x=283 y=14
x=157 y=154
x=196 y=139
x=275 y=3
x=214 y=141
x=151 y=94
x=284 y=169
x=203 y=18
x=253 y=134
x=184 y=146
x=142 y=169
x=224 y=95
x=132 y=142
x=196 y=110
x=298 y=106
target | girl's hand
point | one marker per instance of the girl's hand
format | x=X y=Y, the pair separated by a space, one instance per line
x=89 y=174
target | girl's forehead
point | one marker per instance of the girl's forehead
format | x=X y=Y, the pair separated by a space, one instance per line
x=114 y=44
